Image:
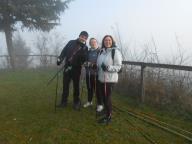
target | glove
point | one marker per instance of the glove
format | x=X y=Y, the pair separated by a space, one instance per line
x=104 y=67
x=86 y=65
x=58 y=61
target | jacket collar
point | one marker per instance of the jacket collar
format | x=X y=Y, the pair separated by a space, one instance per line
x=93 y=49
x=108 y=49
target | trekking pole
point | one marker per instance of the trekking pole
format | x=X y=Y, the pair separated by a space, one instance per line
x=95 y=91
x=105 y=87
x=105 y=95
x=56 y=94
x=95 y=82
x=58 y=71
x=82 y=87
x=89 y=79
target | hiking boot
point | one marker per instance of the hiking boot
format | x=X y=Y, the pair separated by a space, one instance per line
x=99 y=108
x=105 y=120
x=77 y=106
x=87 y=104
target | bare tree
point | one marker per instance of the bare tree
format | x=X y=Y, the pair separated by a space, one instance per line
x=58 y=42
x=49 y=46
x=43 y=49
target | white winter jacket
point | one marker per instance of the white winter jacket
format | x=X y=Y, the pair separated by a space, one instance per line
x=113 y=66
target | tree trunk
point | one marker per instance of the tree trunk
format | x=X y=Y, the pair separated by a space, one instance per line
x=8 y=35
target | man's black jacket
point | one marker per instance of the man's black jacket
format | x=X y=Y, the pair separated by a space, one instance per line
x=75 y=53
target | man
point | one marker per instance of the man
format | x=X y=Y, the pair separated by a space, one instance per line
x=74 y=54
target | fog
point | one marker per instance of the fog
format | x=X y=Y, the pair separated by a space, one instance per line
x=139 y=23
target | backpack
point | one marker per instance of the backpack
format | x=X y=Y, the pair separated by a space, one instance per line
x=112 y=56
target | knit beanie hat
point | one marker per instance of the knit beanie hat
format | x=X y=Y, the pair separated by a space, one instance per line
x=84 y=33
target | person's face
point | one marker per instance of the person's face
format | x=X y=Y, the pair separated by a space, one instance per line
x=93 y=43
x=82 y=38
x=108 y=42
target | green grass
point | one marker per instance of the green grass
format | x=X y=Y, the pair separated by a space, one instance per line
x=27 y=116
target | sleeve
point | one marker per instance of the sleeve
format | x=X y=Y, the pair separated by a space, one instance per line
x=64 y=51
x=117 y=62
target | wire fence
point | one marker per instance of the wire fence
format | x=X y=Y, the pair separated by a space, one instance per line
x=148 y=82
x=28 y=61
x=159 y=84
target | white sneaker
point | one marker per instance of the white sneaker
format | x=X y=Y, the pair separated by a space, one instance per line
x=87 y=104
x=99 y=108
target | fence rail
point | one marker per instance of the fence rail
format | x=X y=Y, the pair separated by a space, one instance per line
x=30 y=55
x=28 y=61
x=143 y=65
x=156 y=65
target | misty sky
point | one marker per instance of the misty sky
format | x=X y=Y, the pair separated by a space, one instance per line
x=138 y=21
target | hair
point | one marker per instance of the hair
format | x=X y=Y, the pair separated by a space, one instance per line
x=91 y=40
x=113 y=42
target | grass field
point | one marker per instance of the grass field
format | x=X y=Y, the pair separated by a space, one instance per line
x=27 y=116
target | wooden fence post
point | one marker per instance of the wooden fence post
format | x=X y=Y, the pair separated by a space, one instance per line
x=142 y=83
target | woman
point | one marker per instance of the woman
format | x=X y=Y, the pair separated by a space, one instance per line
x=91 y=75
x=108 y=69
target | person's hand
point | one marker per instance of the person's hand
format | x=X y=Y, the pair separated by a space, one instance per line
x=87 y=65
x=58 y=61
x=104 y=67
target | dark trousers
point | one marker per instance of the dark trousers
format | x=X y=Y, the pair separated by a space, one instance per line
x=106 y=91
x=92 y=87
x=74 y=75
